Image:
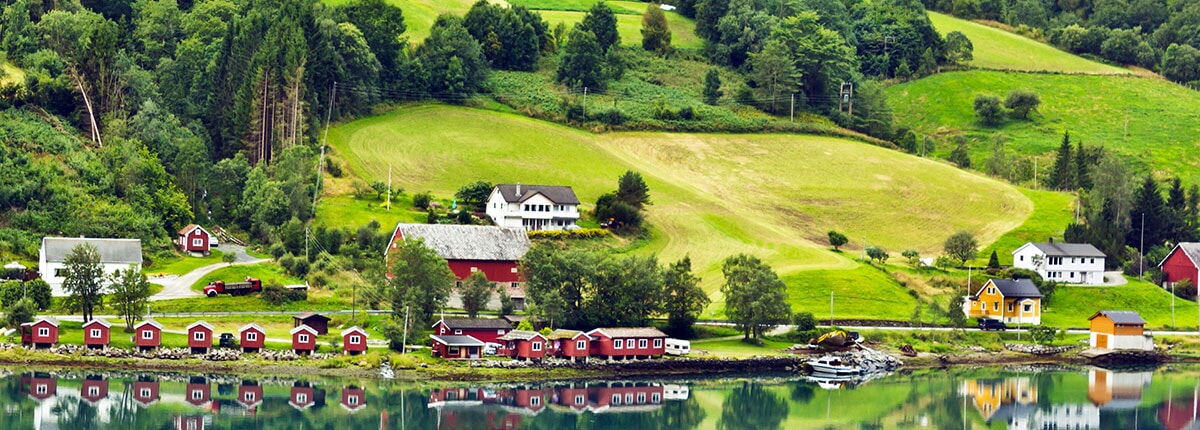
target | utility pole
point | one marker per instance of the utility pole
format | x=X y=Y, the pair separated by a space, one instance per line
x=850 y=96
x=584 y=105
x=306 y=243
x=830 y=308
x=1142 y=249
x=389 y=193
x=404 y=342
x=792 y=115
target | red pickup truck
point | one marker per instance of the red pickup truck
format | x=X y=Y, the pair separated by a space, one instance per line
x=251 y=285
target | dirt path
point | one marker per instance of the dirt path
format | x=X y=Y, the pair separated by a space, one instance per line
x=180 y=287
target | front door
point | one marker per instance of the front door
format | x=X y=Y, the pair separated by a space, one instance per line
x=473 y=351
x=1102 y=341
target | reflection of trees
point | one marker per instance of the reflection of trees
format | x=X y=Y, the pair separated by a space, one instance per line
x=75 y=413
x=752 y=406
x=802 y=392
x=682 y=415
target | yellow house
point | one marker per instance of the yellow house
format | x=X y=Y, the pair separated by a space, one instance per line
x=1014 y=301
x=992 y=396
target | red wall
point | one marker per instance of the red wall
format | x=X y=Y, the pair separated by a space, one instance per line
x=524 y=349
x=204 y=389
x=155 y=340
x=362 y=397
x=258 y=395
x=308 y=391
x=1177 y=266
x=604 y=346
x=489 y=335
x=52 y=338
x=51 y=385
x=196 y=233
x=208 y=337
x=89 y=340
x=137 y=391
x=258 y=340
x=567 y=347
x=101 y=389
x=443 y=351
x=362 y=346
x=496 y=271
x=305 y=346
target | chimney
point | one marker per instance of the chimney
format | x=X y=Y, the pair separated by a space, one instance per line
x=518 y=189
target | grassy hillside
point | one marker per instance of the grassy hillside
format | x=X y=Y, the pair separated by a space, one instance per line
x=999 y=49
x=1150 y=121
x=773 y=196
x=1052 y=212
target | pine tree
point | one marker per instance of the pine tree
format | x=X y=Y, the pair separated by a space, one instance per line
x=1148 y=203
x=602 y=22
x=1083 y=178
x=1176 y=212
x=712 y=87
x=1061 y=175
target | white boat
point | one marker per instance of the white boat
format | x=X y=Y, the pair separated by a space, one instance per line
x=830 y=365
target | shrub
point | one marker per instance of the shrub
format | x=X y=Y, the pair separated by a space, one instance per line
x=334 y=168
x=582 y=233
x=989 y=108
x=1184 y=289
x=1042 y=334
x=804 y=321
x=421 y=200
x=612 y=117
x=276 y=294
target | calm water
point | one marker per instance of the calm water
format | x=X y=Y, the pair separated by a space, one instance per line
x=1015 y=397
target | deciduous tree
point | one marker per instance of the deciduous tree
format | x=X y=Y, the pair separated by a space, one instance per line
x=989 y=108
x=683 y=299
x=656 y=35
x=962 y=246
x=422 y=280
x=84 y=280
x=129 y=293
x=475 y=293
x=755 y=297
x=837 y=239
x=474 y=194
x=1022 y=102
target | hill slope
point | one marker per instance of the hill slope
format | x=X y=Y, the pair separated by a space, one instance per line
x=999 y=49
x=773 y=196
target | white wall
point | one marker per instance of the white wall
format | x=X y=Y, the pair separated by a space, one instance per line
x=48 y=271
x=1143 y=343
x=1072 y=270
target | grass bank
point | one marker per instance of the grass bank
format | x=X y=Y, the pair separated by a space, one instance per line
x=1002 y=50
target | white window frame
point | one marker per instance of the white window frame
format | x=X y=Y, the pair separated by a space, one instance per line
x=535 y=401
x=457 y=332
x=199 y=336
x=658 y=343
x=94 y=333
x=500 y=332
x=581 y=344
x=618 y=343
x=252 y=336
x=93 y=391
x=355 y=339
x=579 y=399
x=249 y=396
x=302 y=338
x=642 y=343
x=144 y=393
x=453 y=350
x=197 y=242
x=302 y=398
x=43 y=331
x=629 y=398
x=197 y=394
x=655 y=398
x=352 y=399
x=148 y=334
x=616 y=399
x=641 y=398
x=42 y=389
x=1028 y=307
x=537 y=346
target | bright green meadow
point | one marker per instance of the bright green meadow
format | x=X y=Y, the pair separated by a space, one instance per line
x=1052 y=211
x=267 y=272
x=1002 y=50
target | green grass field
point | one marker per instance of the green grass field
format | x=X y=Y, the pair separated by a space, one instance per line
x=773 y=196
x=1150 y=122
x=619 y=7
x=267 y=272
x=738 y=349
x=182 y=265
x=999 y=49
x=1071 y=306
x=1052 y=211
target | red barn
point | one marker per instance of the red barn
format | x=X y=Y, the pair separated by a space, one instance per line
x=455 y=347
x=495 y=251
x=40 y=386
x=194 y=238
x=354 y=341
x=1182 y=263
x=145 y=392
x=200 y=337
x=94 y=389
x=302 y=396
x=623 y=343
x=250 y=394
x=484 y=329
x=353 y=399
x=147 y=335
x=96 y=333
x=198 y=391
x=252 y=337
x=42 y=333
x=524 y=344
x=304 y=339
x=569 y=344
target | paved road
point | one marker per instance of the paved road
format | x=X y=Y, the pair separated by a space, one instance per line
x=180 y=287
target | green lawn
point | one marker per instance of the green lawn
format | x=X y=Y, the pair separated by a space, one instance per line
x=267 y=272
x=348 y=211
x=862 y=293
x=735 y=348
x=1072 y=306
x=773 y=196
x=619 y=7
x=182 y=265
x=1052 y=211
x=999 y=49
x=630 y=26
x=1159 y=117
x=419 y=15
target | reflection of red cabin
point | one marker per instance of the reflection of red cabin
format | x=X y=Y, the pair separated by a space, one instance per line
x=302 y=397
x=487 y=330
x=523 y=400
x=198 y=392
x=1178 y=415
x=94 y=389
x=570 y=344
x=252 y=337
x=304 y=339
x=40 y=386
x=191 y=422
x=524 y=344
x=574 y=397
x=42 y=333
x=200 y=337
x=318 y=322
x=625 y=396
x=145 y=392
x=147 y=335
x=96 y=333
x=250 y=394
x=194 y=238
x=353 y=399
x=354 y=340
x=627 y=342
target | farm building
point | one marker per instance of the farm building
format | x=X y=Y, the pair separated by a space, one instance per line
x=147 y=335
x=115 y=254
x=252 y=337
x=354 y=341
x=1182 y=263
x=1119 y=330
x=304 y=339
x=456 y=347
x=524 y=344
x=533 y=207
x=483 y=329
x=200 y=337
x=40 y=333
x=495 y=251
x=572 y=344
x=318 y=322
x=1071 y=263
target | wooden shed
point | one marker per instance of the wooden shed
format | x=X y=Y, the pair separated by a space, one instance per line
x=318 y=322
x=96 y=333
x=147 y=335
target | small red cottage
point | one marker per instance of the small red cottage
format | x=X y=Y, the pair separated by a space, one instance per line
x=198 y=391
x=524 y=344
x=570 y=344
x=252 y=337
x=624 y=343
x=302 y=396
x=1182 y=263
x=145 y=392
x=304 y=340
x=96 y=333
x=455 y=347
x=200 y=337
x=354 y=341
x=42 y=333
x=353 y=398
x=524 y=400
x=484 y=329
x=318 y=322
x=147 y=335
x=40 y=386
x=194 y=238
x=94 y=389
x=250 y=394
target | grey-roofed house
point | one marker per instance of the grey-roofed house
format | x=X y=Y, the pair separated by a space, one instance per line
x=455 y=347
x=1072 y=263
x=1119 y=330
x=115 y=254
x=1010 y=300
x=495 y=251
x=533 y=207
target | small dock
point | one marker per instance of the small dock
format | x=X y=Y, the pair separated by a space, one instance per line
x=1122 y=356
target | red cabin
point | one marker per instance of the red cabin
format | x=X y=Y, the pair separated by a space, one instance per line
x=1182 y=263
x=145 y=392
x=302 y=397
x=487 y=330
x=524 y=400
x=623 y=343
x=455 y=347
x=493 y=251
x=42 y=333
x=524 y=344
x=147 y=335
x=94 y=389
x=570 y=344
x=198 y=392
x=200 y=337
x=354 y=341
x=574 y=397
x=304 y=339
x=96 y=333
x=40 y=386
x=353 y=399
x=252 y=337
x=194 y=238
x=250 y=394
x=318 y=322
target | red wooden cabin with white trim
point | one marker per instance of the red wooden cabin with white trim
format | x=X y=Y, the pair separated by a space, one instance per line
x=42 y=333
x=96 y=333
x=252 y=337
x=354 y=341
x=147 y=335
x=194 y=238
x=200 y=337
x=623 y=342
x=304 y=339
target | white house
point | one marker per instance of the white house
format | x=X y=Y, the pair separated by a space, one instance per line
x=1071 y=263
x=115 y=254
x=533 y=207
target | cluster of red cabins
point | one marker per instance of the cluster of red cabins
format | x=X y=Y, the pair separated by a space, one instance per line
x=575 y=397
x=147 y=335
x=465 y=338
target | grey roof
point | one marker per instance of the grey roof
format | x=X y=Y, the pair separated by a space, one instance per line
x=308 y=315
x=116 y=251
x=457 y=340
x=630 y=332
x=556 y=193
x=521 y=335
x=470 y=242
x=1016 y=288
x=476 y=323
x=1069 y=250
x=1192 y=249
x=1122 y=317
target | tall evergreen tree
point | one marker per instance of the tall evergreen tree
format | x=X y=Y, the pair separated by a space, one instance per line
x=1147 y=216
x=1176 y=212
x=1062 y=173
x=1083 y=160
x=602 y=22
x=1191 y=215
x=582 y=62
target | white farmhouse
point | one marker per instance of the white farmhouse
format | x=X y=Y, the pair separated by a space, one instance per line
x=1072 y=263
x=115 y=254
x=533 y=207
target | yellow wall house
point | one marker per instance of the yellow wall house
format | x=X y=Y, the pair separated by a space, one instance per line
x=1014 y=301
